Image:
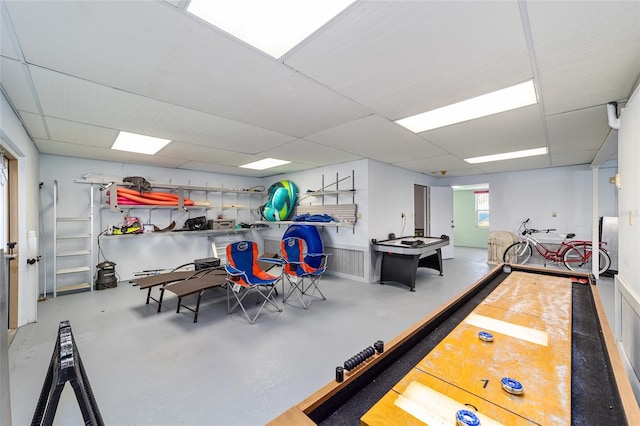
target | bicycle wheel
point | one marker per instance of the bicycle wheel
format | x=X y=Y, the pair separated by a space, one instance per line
x=578 y=258
x=517 y=253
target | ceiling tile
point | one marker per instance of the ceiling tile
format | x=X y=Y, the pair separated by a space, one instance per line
x=334 y=97
x=505 y=132
x=7 y=47
x=377 y=138
x=86 y=102
x=435 y=165
x=585 y=129
x=208 y=70
x=403 y=58
x=573 y=157
x=204 y=154
x=309 y=153
x=588 y=52
x=15 y=83
x=538 y=162
x=82 y=151
x=34 y=125
x=215 y=168
x=79 y=133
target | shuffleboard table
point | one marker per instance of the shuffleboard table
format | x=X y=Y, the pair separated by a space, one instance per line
x=549 y=335
x=401 y=257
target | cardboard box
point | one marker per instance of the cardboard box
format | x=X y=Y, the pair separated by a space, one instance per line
x=224 y=224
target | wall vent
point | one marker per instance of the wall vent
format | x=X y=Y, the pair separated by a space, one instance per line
x=342 y=261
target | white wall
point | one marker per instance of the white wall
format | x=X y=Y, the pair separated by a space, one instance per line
x=536 y=194
x=312 y=180
x=627 y=319
x=607 y=192
x=137 y=253
x=391 y=193
x=17 y=142
x=382 y=193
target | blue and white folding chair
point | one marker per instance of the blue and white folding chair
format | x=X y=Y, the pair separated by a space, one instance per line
x=244 y=276
x=302 y=270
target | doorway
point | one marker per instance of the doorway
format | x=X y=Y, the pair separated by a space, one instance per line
x=9 y=229
x=433 y=214
x=472 y=214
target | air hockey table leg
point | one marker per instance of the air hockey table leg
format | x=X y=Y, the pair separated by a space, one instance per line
x=400 y=269
x=433 y=261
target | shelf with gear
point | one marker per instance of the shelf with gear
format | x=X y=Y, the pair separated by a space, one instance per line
x=325 y=207
x=194 y=209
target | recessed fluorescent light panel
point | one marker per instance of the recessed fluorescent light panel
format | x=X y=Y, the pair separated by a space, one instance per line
x=267 y=163
x=507 y=156
x=502 y=100
x=273 y=26
x=133 y=142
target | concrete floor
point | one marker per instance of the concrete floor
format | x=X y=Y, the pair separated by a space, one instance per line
x=147 y=368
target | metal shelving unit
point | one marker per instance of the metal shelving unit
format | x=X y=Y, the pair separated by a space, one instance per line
x=73 y=249
x=347 y=214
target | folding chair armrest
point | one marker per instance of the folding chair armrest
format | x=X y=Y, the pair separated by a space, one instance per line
x=319 y=254
x=233 y=271
x=273 y=260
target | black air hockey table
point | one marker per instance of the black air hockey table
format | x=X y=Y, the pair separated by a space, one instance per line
x=598 y=392
x=401 y=257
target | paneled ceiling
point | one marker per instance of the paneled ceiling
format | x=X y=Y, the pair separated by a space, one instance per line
x=77 y=72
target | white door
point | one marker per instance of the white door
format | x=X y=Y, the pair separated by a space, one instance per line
x=441 y=216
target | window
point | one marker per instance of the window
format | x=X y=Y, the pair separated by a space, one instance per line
x=482 y=208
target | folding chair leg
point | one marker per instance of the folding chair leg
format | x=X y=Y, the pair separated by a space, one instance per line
x=314 y=285
x=242 y=293
x=296 y=288
x=305 y=293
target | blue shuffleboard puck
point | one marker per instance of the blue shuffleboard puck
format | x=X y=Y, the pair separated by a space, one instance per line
x=466 y=418
x=485 y=336
x=512 y=386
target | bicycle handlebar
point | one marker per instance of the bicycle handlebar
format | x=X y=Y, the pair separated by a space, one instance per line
x=526 y=230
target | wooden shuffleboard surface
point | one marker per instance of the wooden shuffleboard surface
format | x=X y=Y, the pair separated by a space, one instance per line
x=529 y=316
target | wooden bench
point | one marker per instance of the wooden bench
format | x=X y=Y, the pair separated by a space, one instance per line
x=148 y=283
x=195 y=282
x=199 y=284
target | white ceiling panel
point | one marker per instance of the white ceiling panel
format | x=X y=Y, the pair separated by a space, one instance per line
x=310 y=153
x=214 y=168
x=538 y=162
x=94 y=68
x=588 y=52
x=435 y=165
x=509 y=131
x=204 y=154
x=573 y=158
x=166 y=54
x=7 y=47
x=218 y=168
x=585 y=129
x=377 y=138
x=86 y=102
x=16 y=85
x=34 y=125
x=403 y=58
x=79 y=133
x=83 y=151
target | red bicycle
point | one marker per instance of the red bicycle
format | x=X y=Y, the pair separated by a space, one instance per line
x=575 y=254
